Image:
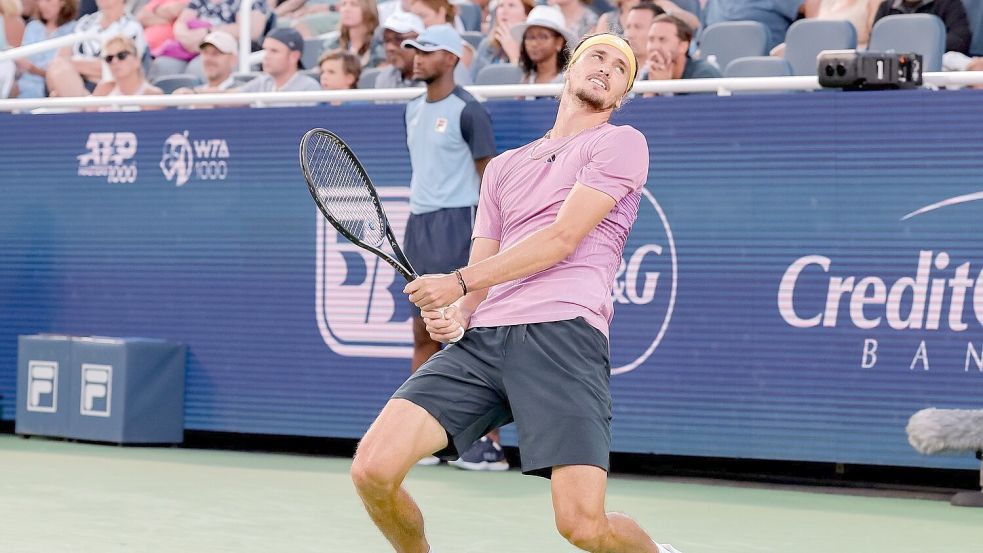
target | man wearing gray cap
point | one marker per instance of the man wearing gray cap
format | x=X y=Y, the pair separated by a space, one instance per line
x=450 y=139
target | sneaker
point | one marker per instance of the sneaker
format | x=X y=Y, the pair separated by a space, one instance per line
x=666 y=548
x=428 y=461
x=482 y=455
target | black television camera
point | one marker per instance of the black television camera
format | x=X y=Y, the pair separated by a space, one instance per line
x=853 y=70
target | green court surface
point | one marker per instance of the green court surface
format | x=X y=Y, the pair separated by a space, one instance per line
x=67 y=497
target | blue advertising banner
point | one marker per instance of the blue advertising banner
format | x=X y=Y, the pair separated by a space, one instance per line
x=805 y=273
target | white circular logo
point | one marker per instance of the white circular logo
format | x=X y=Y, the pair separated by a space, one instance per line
x=644 y=290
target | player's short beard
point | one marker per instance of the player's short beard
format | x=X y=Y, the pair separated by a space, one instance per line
x=596 y=103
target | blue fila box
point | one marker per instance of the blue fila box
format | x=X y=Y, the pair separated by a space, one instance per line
x=119 y=390
x=43 y=385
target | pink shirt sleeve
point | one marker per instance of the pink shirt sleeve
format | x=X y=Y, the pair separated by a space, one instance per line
x=488 y=220
x=618 y=164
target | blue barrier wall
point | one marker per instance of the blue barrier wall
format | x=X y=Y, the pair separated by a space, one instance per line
x=782 y=296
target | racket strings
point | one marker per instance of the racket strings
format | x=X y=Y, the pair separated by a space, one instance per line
x=343 y=191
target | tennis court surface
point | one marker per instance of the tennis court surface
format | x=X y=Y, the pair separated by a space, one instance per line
x=78 y=498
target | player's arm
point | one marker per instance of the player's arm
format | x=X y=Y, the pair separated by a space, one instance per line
x=583 y=209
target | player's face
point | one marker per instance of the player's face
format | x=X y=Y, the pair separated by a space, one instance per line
x=430 y=66
x=599 y=79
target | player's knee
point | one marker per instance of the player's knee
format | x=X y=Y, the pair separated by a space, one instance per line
x=372 y=477
x=583 y=531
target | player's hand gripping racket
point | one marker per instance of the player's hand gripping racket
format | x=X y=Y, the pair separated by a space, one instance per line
x=346 y=197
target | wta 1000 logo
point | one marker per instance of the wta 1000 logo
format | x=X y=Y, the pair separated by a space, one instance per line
x=184 y=157
x=362 y=311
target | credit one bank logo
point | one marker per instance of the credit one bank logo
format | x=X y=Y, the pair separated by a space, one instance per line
x=362 y=311
x=938 y=293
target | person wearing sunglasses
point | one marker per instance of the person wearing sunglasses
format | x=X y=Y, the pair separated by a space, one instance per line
x=120 y=55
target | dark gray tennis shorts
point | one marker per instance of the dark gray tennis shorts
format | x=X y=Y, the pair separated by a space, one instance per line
x=551 y=378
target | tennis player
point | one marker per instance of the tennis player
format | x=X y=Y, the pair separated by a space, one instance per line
x=535 y=299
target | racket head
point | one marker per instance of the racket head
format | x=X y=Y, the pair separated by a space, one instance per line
x=345 y=195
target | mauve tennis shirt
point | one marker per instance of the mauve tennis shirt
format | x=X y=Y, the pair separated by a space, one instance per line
x=520 y=195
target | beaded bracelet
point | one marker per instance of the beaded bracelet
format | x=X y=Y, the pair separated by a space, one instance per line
x=460 y=280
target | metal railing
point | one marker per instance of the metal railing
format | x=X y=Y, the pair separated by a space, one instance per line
x=719 y=86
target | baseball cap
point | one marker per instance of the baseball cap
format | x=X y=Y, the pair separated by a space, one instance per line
x=438 y=37
x=288 y=36
x=404 y=22
x=222 y=41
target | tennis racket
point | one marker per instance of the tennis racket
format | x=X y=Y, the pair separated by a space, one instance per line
x=345 y=195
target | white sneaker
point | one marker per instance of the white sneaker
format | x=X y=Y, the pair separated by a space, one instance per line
x=428 y=461
x=666 y=548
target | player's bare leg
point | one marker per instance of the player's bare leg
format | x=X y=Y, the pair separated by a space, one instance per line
x=400 y=436
x=578 y=505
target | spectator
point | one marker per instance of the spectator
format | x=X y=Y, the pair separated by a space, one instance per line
x=356 y=32
x=577 y=17
x=668 y=50
x=637 y=26
x=218 y=60
x=339 y=70
x=198 y=19
x=126 y=70
x=75 y=71
x=952 y=12
x=450 y=140
x=543 y=54
x=776 y=15
x=499 y=46
x=281 y=64
x=858 y=12
x=442 y=12
x=157 y=18
x=12 y=27
x=615 y=21
x=398 y=73
x=55 y=18
x=436 y=12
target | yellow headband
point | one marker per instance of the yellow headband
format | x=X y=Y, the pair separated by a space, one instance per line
x=615 y=42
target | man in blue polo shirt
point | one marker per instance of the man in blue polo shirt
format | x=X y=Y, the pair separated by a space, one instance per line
x=449 y=135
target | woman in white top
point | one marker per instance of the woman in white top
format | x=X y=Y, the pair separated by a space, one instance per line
x=120 y=54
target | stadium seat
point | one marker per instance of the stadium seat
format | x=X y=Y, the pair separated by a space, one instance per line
x=367 y=78
x=807 y=37
x=974 y=11
x=470 y=15
x=499 y=73
x=692 y=6
x=313 y=47
x=920 y=33
x=473 y=38
x=170 y=83
x=243 y=78
x=758 y=66
x=730 y=40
